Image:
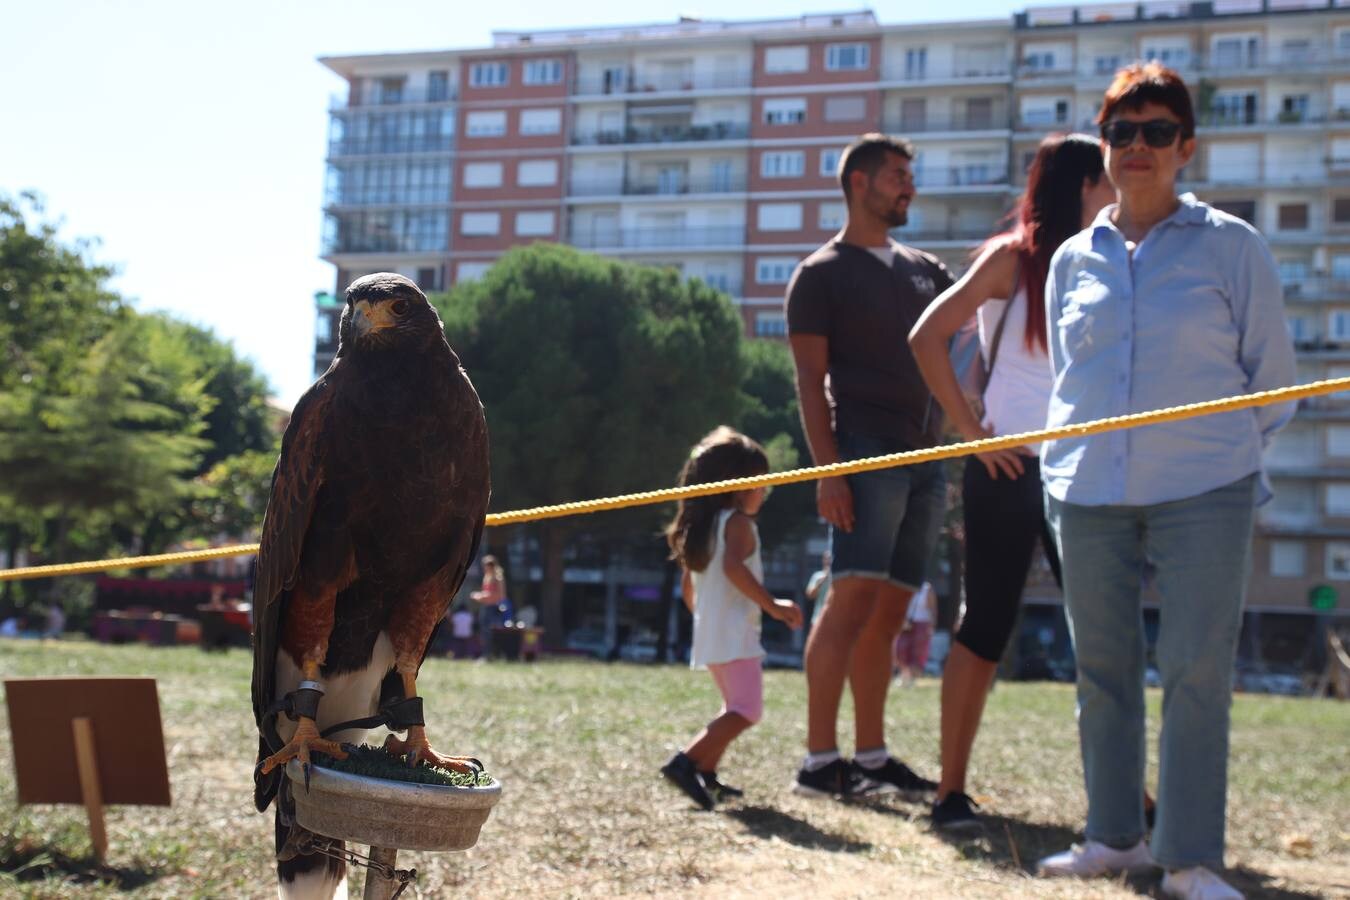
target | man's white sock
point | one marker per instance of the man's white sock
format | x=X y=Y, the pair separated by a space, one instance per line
x=872 y=759
x=820 y=760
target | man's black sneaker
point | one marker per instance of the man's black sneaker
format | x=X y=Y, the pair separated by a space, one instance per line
x=894 y=777
x=956 y=812
x=717 y=790
x=682 y=773
x=839 y=778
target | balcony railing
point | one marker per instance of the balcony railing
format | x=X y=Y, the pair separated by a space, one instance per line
x=961 y=176
x=1317 y=288
x=642 y=83
x=400 y=98
x=666 y=134
x=642 y=187
x=921 y=235
x=721 y=236
x=926 y=73
x=385 y=243
x=441 y=143
x=961 y=123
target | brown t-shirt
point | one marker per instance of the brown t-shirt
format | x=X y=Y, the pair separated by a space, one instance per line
x=866 y=310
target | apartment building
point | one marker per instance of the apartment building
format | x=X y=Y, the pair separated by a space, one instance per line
x=711 y=147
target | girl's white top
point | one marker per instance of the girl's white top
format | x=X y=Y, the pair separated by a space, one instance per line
x=726 y=621
x=1017 y=397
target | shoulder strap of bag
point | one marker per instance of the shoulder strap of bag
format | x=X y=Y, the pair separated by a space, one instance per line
x=1003 y=317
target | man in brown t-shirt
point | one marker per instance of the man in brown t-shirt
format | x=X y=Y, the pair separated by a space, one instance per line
x=850 y=307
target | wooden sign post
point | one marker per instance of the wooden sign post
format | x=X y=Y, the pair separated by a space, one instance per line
x=92 y=741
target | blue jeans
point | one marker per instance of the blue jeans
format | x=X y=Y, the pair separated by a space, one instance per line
x=1200 y=550
x=897 y=514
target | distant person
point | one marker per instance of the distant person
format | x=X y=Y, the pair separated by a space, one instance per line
x=461 y=633
x=56 y=621
x=1163 y=301
x=850 y=306
x=717 y=545
x=1002 y=501
x=495 y=606
x=916 y=635
x=818 y=586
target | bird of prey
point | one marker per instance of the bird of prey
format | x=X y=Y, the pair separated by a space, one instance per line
x=377 y=506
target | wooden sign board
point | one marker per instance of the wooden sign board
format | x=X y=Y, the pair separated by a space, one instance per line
x=127 y=739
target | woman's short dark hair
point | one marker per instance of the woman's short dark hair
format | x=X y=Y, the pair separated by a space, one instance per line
x=1151 y=82
x=868 y=153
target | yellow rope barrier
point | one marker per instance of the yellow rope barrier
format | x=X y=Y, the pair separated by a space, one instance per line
x=666 y=495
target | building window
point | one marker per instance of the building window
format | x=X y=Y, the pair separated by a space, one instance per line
x=1338 y=561
x=389 y=90
x=1300 y=329
x=489 y=74
x=783 y=164
x=1338 y=322
x=471 y=271
x=438 y=86
x=540 y=121
x=846 y=57
x=1340 y=267
x=1340 y=211
x=1293 y=217
x=1175 y=57
x=1287 y=559
x=1338 y=499
x=830 y=216
x=534 y=224
x=1343 y=41
x=1040 y=61
x=537 y=173
x=774 y=269
x=916 y=63
x=486 y=123
x=480 y=223
x=543 y=71
x=785 y=111
x=783 y=60
x=780 y=217
x=482 y=175
x=845 y=109
x=1338 y=440
x=829 y=163
x=1106 y=65
x=770 y=324
x=429 y=278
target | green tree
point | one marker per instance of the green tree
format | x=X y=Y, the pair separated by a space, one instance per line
x=598 y=376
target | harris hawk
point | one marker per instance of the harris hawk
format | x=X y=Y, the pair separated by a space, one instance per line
x=377 y=506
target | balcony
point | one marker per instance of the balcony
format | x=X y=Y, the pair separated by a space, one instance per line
x=969 y=176
x=375 y=99
x=656 y=187
x=612 y=84
x=1317 y=289
x=928 y=125
x=727 y=236
x=925 y=74
x=665 y=134
x=923 y=236
x=391 y=144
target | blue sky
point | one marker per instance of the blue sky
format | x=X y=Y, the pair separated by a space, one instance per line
x=190 y=137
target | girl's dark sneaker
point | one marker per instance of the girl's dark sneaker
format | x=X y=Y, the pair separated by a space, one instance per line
x=717 y=790
x=956 y=812
x=682 y=773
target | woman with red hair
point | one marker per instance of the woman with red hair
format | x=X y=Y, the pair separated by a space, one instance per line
x=1001 y=491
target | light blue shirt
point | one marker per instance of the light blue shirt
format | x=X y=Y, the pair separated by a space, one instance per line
x=1196 y=314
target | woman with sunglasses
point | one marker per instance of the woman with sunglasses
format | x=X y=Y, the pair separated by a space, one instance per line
x=1163 y=300
x=1002 y=505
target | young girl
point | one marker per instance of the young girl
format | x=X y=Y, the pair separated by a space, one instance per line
x=716 y=542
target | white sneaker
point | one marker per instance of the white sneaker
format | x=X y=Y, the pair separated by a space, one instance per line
x=1092 y=859
x=1198 y=883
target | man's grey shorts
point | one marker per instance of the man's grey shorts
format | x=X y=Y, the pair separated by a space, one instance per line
x=897 y=515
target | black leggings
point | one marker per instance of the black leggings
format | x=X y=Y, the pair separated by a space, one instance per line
x=1003 y=517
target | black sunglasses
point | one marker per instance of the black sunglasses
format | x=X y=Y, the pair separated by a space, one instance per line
x=1157 y=132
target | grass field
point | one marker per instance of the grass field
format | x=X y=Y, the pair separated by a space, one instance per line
x=577 y=746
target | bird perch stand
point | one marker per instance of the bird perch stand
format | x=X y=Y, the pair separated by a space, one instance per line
x=389 y=815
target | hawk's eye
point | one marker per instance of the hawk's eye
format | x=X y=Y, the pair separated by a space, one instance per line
x=399 y=307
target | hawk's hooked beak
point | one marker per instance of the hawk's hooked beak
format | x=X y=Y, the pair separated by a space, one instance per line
x=367 y=318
